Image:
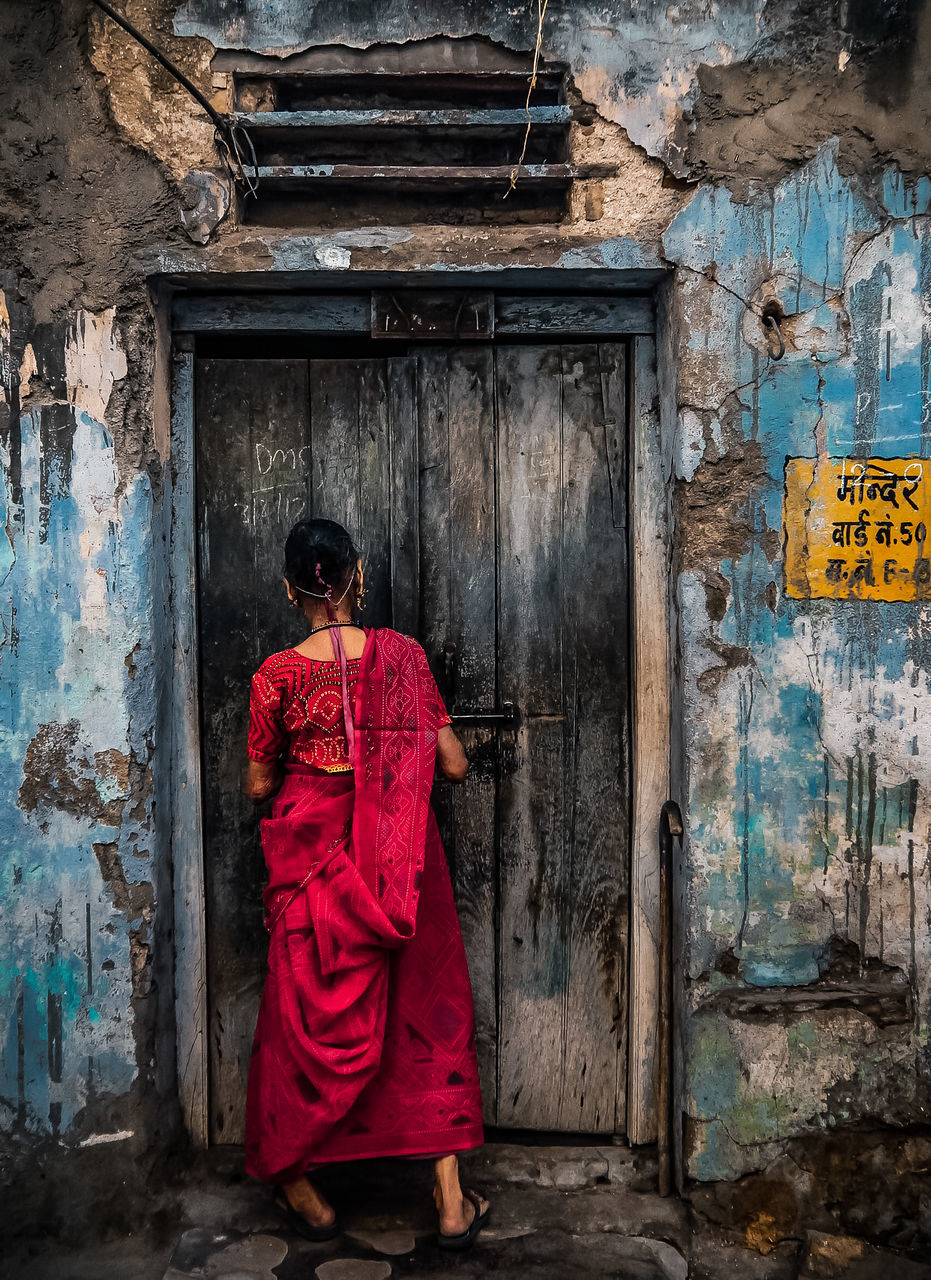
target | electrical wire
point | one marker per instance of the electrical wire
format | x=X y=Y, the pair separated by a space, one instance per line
x=233 y=143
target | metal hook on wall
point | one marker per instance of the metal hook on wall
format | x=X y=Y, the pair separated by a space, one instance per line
x=771 y=325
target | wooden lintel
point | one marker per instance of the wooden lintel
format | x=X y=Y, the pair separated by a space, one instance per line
x=567 y=316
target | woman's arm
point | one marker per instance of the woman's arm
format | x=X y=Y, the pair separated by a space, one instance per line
x=263 y=778
x=450 y=757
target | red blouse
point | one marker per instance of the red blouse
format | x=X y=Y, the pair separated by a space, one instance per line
x=296 y=711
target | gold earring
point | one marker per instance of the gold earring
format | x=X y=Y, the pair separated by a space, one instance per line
x=360 y=594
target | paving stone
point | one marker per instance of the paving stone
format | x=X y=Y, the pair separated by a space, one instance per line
x=353 y=1269
x=516 y=1251
x=255 y=1256
x=130 y=1258
x=838 y=1257
x=711 y=1258
x=831 y=1255
x=394 y=1243
x=192 y=1251
x=238 y=1274
x=635 y=1168
x=603 y=1208
x=506 y=1233
x=568 y=1168
x=240 y=1209
x=555 y=1255
x=670 y=1259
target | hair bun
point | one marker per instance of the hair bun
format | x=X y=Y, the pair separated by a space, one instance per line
x=319 y=542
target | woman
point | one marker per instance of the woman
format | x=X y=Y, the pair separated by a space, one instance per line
x=365 y=1041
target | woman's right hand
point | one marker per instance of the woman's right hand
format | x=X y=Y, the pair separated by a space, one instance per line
x=263 y=779
x=451 y=758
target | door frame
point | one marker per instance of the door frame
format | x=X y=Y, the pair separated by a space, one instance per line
x=649 y=493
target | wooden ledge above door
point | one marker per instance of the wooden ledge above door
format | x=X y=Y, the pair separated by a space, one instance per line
x=511 y=315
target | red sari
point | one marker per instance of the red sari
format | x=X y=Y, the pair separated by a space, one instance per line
x=365 y=1042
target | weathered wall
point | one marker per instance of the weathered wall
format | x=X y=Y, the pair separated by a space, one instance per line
x=85 y=973
x=809 y=734
x=803 y=138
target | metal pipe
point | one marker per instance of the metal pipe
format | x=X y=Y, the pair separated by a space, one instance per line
x=670 y=827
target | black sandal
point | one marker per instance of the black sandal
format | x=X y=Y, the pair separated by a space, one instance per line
x=466 y=1239
x=299 y=1224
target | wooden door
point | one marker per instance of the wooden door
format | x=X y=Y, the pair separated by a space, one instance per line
x=486 y=486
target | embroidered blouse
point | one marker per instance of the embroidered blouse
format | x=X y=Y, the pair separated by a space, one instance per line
x=296 y=711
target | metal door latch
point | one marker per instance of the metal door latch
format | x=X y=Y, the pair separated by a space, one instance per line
x=506 y=718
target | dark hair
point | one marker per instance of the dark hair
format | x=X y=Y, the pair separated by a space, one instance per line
x=319 y=554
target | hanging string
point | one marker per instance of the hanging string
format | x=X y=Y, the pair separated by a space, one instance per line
x=541 y=14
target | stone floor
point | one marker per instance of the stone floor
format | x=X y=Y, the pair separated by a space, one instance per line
x=558 y=1213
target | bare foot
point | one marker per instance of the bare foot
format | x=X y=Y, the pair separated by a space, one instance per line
x=305 y=1199
x=456 y=1210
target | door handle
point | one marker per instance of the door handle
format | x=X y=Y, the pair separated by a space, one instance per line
x=506 y=718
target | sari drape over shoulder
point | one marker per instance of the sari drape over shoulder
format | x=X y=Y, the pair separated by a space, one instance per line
x=365 y=1042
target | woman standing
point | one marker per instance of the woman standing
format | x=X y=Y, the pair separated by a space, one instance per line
x=365 y=1042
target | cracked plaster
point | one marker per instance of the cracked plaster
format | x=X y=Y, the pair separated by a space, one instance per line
x=820 y=720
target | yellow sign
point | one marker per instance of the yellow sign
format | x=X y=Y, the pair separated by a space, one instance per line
x=857 y=528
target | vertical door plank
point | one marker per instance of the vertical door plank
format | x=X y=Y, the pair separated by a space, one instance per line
x=278 y=423
x=226 y=535
x=650 y=483
x=404 y=497
x=563 y=629
x=374 y=529
x=279 y=447
x=534 y=1017
x=436 y=532
x=596 y=699
x=191 y=1012
x=472 y=520
x=472 y=633
x=530 y=484
x=350 y=454
x=251 y=420
x=456 y=427
x=457 y=506
x=616 y=375
x=432 y=400
x=334 y=443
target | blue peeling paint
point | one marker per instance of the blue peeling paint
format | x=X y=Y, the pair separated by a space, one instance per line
x=75 y=571
x=796 y=864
